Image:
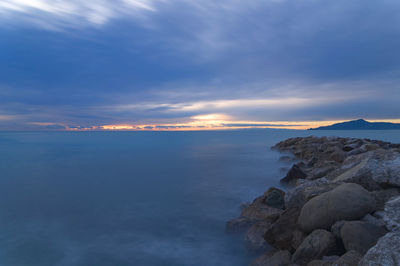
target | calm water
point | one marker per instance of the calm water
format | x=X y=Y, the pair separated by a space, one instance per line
x=125 y=198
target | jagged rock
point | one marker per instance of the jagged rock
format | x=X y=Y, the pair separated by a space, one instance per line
x=346 y=202
x=274 y=258
x=391 y=214
x=319 y=243
x=294 y=173
x=280 y=234
x=360 y=236
x=238 y=225
x=386 y=252
x=275 y=197
x=378 y=170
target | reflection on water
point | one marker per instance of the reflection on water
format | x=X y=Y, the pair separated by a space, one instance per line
x=125 y=198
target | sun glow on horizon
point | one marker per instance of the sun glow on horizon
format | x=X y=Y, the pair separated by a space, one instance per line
x=213 y=122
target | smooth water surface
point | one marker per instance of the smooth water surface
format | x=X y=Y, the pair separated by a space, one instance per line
x=134 y=198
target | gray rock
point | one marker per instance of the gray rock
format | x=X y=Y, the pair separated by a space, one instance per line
x=350 y=258
x=391 y=214
x=305 y=190
x=318 y=244
x=386 y=252
x=346 y=202
x=378 y=169
x=383 y=196
x=280 y=234
x=336 y=228
x=275 y=258
x=360 y=236
x=373 y=220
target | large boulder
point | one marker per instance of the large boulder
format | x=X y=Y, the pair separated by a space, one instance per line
x=346 y=202
x=360 y=236
x=294 y=173
x=307 y=189
x=280 y=234
x=316 y=245
x=378 y=169
x=386 y=252
x=274 y=258
x=391 y=214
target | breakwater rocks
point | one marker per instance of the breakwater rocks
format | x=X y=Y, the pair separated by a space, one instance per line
x=341 y=207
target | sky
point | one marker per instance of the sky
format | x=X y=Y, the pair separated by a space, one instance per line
x=192 y=65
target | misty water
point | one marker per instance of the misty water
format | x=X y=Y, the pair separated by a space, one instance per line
x=134 y=198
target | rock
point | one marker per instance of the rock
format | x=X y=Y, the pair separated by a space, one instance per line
x=391 y=214
x=383 y=196
x=238 y=225
x=275 y=258
x=297 y=238
x=320 y=263
x=336 y=228
x=253 y=213
x=350 y=258
x=275 y=198
x=373 y=220
x=386 y=252
x=360 y=236
x=379 y=169
x=306 y=190
x=255 y=236
x=346 y=202
x=280 y=234
x=318 y=244
x=294 y=173
x=360 y=174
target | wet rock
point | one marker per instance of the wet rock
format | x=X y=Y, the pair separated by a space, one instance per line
x=318 y=244
x=274 y=258
x=275 y=198
x=280 y=234
x=294 y=173
x=255 y=236
x=386 y=252
x=360 y=236
x=255 y=212
x=346 y=202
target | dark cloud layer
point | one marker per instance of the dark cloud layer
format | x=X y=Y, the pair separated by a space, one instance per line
x=111 y=62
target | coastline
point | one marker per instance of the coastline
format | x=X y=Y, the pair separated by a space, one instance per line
x=341 y=205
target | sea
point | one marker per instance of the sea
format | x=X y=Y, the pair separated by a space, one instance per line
x=135 y=198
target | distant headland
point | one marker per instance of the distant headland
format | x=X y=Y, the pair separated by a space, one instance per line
x=360 y=124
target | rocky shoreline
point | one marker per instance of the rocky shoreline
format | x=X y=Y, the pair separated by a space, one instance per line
x=342 y=206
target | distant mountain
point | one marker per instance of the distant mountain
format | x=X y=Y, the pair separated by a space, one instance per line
x=360 y=124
